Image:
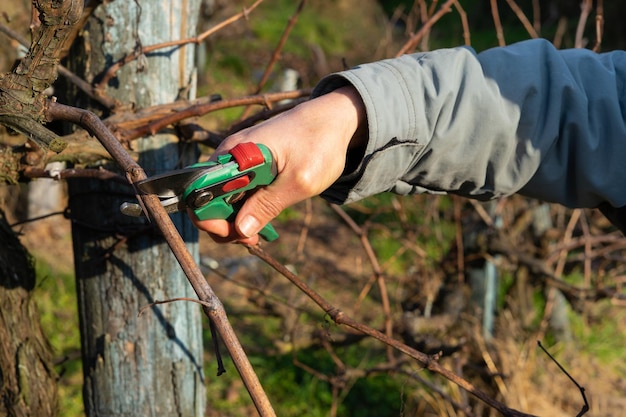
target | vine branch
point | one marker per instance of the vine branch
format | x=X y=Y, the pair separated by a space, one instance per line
x=211 y=305
x=430 y=362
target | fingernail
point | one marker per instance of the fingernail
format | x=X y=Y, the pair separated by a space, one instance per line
x=249 y=226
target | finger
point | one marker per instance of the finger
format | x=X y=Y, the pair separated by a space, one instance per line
x=234 y=237
x=222 y=231
x=217 y=228
x=261 y=208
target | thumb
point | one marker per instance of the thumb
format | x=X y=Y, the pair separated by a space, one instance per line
x=259 y=209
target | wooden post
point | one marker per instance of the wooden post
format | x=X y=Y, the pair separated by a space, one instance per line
x=149 y=364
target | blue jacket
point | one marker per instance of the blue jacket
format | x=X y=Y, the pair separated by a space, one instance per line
x=526 y=118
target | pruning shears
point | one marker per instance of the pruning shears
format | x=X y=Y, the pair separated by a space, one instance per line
x=214 y=189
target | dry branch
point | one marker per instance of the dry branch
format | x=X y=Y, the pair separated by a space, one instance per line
x=22 y=99
x=151 y=124
x=80 y=148
x=378 y=271
x=522 y=18
x=279 y=47
x=430 y=362
x=415 y=39
x=585 y=10
x=495 y=14
x=212 y=306
x=276 y=54
x=84 y=86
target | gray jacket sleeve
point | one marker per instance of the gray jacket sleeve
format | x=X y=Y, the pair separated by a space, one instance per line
x=525 y=118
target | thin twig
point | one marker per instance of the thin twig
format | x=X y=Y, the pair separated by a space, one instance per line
x=536 y=16
x=154 y=125
x=378 y=271
x=491 y=365
x=584 y=225
x=567 y=237
x=497 y=23
x=460 y=249
x=464 y=23
x=561 y=28
x=304 y=233
x=585 y=10
x=615 y=238
x=432 y=7
x=415 y=39
x=522 y=18
x=275 y=55
x=267 y=113
x=99 y=173
x=585 y=407
x=36 y=219
x=461 y=407
x=279 y=47
x=599 y=25
x=424 y=15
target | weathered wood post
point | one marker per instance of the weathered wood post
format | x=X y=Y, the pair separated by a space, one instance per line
x=147 y=365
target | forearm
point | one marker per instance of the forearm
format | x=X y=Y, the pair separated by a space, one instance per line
x=526 y=119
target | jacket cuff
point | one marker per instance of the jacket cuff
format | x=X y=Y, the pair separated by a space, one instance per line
x=392 y=127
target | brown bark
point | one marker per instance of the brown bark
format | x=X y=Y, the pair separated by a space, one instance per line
x=22 y=102
x=27 y=380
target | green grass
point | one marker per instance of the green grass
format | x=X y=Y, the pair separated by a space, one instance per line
x=312 y=27
x=295 y=392
x=56 y=299
x=600 y=334
x=389 y=234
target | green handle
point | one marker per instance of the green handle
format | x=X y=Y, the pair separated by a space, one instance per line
x=222 y=190
x=269 y=233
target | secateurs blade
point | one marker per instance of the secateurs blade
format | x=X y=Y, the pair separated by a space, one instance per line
x=215 y=189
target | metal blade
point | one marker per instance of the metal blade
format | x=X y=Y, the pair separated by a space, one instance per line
x=171 y=205
x=171 y=184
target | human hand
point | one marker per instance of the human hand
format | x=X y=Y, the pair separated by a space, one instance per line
x=309 y=144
